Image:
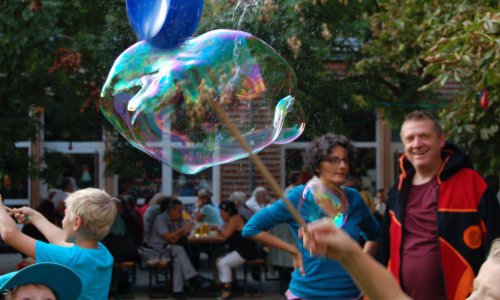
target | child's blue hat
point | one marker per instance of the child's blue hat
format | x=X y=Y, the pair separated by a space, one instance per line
x=64 y=282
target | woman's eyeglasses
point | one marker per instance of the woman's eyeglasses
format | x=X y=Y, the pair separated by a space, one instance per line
x=336 y=160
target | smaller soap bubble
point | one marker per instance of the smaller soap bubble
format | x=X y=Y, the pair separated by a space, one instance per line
x=319 y=201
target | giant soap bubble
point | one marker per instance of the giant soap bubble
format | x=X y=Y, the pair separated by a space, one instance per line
x=159 y=100
x=320 y=201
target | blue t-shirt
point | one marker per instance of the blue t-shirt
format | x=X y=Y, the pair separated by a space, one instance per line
x=211 y=214
x=324 y=278
x=93 y=265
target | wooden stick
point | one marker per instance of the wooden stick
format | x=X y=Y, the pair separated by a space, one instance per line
x=258 y=163
x=9 y=209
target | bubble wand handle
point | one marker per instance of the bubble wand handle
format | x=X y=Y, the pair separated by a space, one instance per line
x=258 y=163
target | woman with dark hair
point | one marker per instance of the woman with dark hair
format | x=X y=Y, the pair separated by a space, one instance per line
x=329 y=157
x=242 y=248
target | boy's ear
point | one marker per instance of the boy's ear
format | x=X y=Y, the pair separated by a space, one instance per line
x=77 y=224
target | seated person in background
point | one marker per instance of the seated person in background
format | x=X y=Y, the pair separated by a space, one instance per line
x=121 y=245
x=47 y=281
x=326 y=240
x=131 y=219
x=239 y=198
x=144 y=207
x=119 y=241
x=57 y=197
x=157 y=205
x=242 y=248
x=259 y=199
x=134 y=210
x=206 y=213
x=170 y=229
x=89 y=215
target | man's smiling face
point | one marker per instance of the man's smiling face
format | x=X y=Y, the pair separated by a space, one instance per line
x=422 y=144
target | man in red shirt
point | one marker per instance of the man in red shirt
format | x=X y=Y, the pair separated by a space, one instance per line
x=441 y=215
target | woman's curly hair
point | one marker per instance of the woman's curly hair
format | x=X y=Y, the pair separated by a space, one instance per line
x=322 y=146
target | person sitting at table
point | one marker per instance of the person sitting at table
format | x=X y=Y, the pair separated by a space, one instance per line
x=169 y=229
x=157 y=205
x=206 y=213
x=239 y=199
x=259 y=199
x=242 y=248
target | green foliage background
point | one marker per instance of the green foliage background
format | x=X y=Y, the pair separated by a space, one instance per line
x=399 y=54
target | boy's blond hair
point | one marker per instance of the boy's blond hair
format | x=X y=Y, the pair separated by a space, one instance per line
x=96 y=210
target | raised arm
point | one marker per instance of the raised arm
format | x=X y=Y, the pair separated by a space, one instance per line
x=267 y=218
x=13 y=236
x=52 y=233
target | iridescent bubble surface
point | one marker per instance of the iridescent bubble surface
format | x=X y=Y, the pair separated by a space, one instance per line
x=159 y=100
x=319 y=201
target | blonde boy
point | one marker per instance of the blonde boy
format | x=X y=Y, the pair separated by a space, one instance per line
x=88 y=217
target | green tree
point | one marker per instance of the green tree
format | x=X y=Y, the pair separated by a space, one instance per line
x=311 y=35
x=416 y=48
x=55 y=55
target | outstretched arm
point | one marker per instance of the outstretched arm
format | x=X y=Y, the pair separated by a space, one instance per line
x=13 y=236
x=270 y=240
x=371 y=277
x=258 y=225
x=52 y=233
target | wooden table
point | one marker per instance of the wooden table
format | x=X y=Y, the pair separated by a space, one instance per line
x=206 y=239
x=212 y=246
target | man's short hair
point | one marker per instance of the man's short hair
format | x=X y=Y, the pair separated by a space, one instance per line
x=173 y=204
x=95 y=208
x=259 y=190
x=423 y=115
x=238 y=197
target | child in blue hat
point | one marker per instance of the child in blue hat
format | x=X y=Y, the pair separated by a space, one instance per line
x=47 y=281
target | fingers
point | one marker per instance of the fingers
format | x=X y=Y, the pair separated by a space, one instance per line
x=298 y=263
x=21 y=215
x=301 y=267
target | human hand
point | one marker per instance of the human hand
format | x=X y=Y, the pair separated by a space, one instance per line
x=24 y=214
x=298 y=262
x=187 y=228
x=327 y=240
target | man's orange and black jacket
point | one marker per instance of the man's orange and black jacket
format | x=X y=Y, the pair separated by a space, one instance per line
x=468 y=220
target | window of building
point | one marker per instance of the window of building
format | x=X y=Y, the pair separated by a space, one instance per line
x=83 y=168
x=14 y=176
